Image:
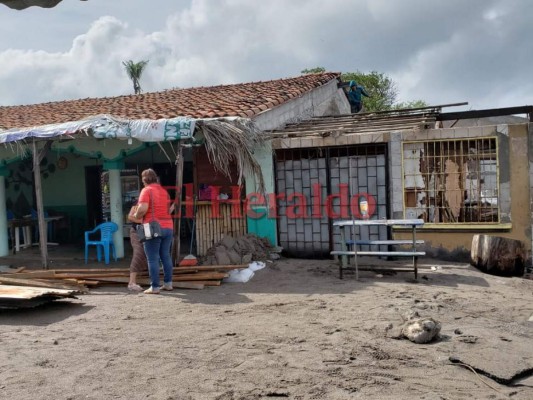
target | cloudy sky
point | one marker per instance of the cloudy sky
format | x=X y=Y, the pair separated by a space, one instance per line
x=440 y=51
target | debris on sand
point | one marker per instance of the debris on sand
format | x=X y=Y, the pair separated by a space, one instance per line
x=241 y=250
x=420 y=330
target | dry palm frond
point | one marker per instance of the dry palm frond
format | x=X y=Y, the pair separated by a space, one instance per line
x=230 y=141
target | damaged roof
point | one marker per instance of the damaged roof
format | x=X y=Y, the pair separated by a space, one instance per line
x=363 y=123
x=238 y=100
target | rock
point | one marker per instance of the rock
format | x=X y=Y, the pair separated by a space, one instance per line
x=274 y=256
x=458 y=331
x=421 y=330
x=276 y=249
x=247 y=258
x=248 y=248
x=411 y=314
x=244 y=245
x=234 y=256
x=222 y=258
x=228 y=242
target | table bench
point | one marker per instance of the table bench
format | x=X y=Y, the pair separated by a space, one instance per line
x=344 y=253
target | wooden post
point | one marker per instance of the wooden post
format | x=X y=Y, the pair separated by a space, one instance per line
x=177 y=211
x=37 y=157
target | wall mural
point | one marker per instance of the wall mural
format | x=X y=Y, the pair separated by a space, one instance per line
x=19 y=185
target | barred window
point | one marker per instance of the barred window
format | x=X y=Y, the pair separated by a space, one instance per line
x=451 y=181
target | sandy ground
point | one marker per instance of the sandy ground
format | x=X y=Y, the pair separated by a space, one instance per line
x=294 y=331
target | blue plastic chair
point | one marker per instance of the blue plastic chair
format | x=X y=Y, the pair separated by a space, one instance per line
x=105 y=243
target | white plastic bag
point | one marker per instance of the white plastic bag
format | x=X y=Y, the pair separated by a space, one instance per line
x=239 y=276
x=256 y=265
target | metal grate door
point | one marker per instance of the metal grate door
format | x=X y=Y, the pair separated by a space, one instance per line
x=307 y=177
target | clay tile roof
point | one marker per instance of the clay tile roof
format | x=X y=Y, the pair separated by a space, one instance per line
x=244 y=100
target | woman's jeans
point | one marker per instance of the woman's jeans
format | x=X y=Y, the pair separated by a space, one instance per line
x=158 y=249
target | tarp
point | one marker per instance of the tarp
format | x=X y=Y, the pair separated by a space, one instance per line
x=109 y=127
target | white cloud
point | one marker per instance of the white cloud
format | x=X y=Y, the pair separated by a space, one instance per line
x=477 y=51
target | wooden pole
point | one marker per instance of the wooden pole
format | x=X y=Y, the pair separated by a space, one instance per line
x=177 y=205
x=37 y=157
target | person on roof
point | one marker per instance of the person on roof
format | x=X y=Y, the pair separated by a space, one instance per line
x=354 y=97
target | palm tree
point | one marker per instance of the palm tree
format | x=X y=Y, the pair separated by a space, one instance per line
x=134 y=71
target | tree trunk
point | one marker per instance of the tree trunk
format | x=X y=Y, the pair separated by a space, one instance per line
x=497 y=255
x=176 y=247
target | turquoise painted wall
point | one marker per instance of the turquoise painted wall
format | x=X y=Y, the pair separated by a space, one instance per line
x=265 y=226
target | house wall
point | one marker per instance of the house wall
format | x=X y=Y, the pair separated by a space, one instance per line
x=325 y=100
x=64 y=190
x=515 y=158
x=515 y=218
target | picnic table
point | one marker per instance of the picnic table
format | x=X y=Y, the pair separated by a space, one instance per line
x=355 y=244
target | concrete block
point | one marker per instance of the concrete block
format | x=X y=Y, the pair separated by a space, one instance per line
x=318 y=142
x=447 y=133
x=396 y=136
x=306 y=142
x=329 y=141
x=296 y=143
x=460 y=133
x=353 y=139
x=489 y=130
x=277 y=143
x=365 y=138
x=433 y=134
x=341 y=141
x=503 y=129
x=378 y=138
x=475 y=131
x=409 y=135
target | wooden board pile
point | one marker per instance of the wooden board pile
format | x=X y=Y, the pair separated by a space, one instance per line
x=12 y=296
x=79 y=280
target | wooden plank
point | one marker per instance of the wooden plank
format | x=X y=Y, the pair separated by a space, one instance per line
x=83 y=270
x=146 y=282
x=213 y=268
x=41 y=284
x=25 y=292
x=27 y=275
x=209 y=283
x=200 y=277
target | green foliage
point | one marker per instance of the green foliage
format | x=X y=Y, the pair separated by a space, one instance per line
x=316 y=70
x=382 y=90
x=134 y=71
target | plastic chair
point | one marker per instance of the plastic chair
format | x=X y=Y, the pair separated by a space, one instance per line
x=105 y=243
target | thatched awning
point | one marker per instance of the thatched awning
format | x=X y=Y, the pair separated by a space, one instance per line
x=228 y=139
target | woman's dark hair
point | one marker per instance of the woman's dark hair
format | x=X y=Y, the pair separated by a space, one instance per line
x=149 y=176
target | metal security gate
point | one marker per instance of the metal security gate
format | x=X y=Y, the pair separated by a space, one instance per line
x=317 y=186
